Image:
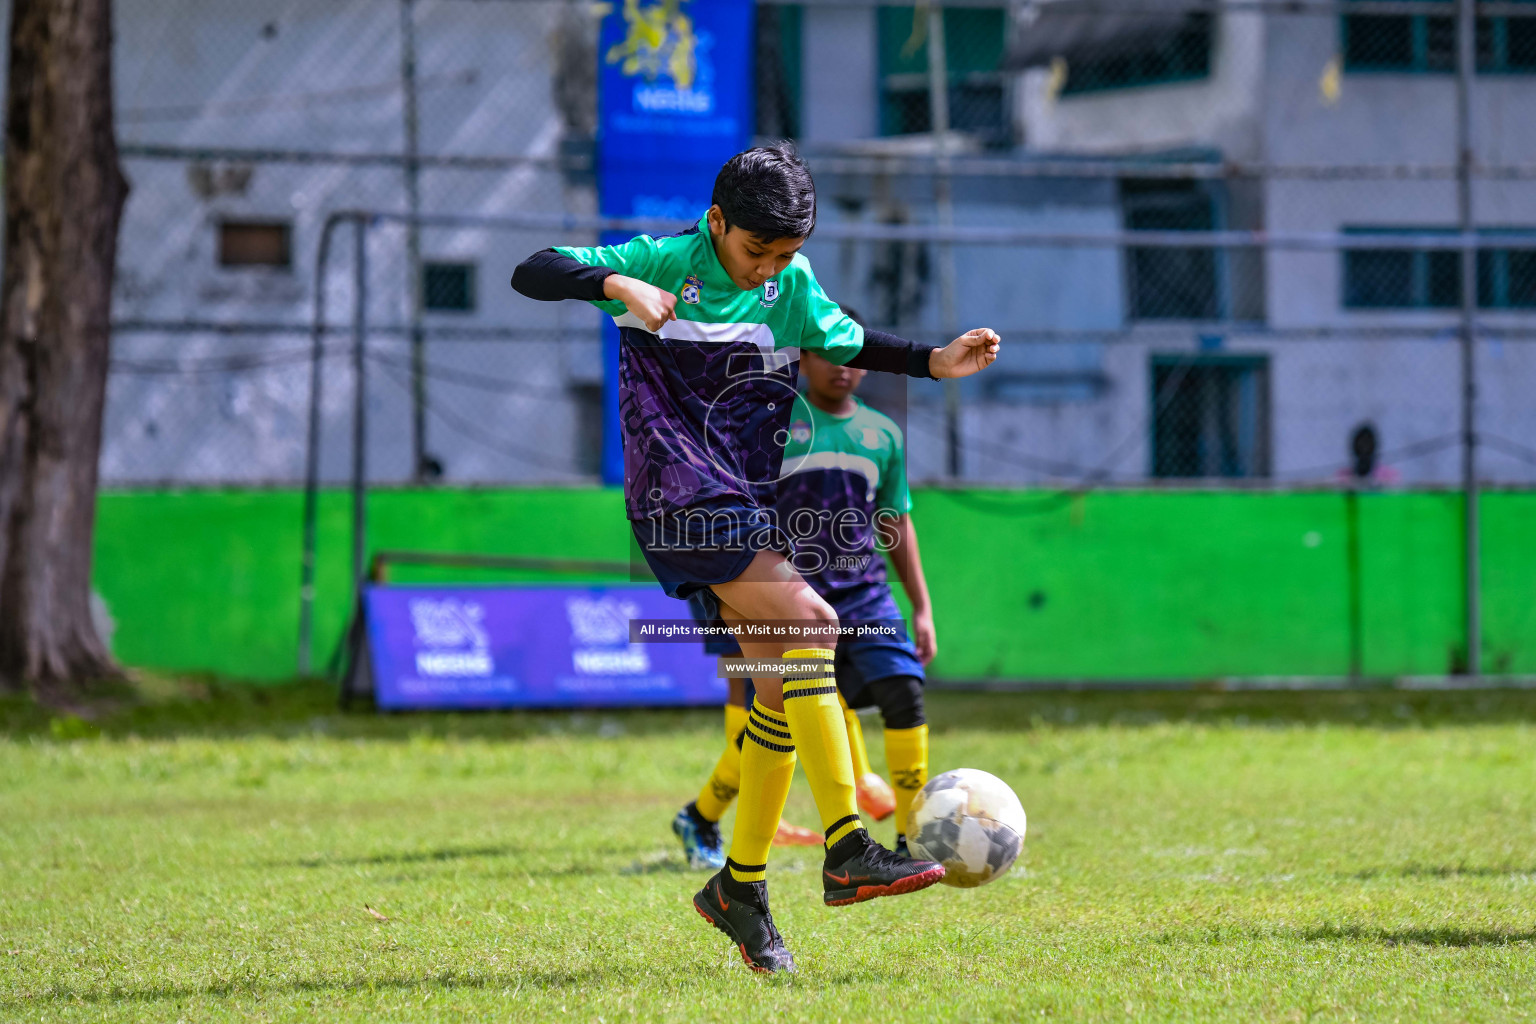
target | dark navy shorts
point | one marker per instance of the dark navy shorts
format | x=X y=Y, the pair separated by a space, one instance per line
x=692 y=550
x=706 y=612
x=861 y=662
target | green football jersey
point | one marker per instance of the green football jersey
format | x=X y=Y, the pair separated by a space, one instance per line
x=705 y=401
x=842 y=475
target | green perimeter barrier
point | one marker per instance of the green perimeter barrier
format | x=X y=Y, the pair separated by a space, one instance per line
x=1111 y=585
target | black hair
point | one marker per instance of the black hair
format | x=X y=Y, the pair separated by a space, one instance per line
x=767 y=191
x=851 y=313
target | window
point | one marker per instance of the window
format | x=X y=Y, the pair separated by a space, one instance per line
x=255 y=244
x=1169 y=283
x=1417 y=42
x=778 y=70
x=1506 y=278
x=1431 y=278
x=1149 y=59
x=1506 y=45
x=973 y=51
x=448 y=287
x=1401 y=278
x=1399 y=42
x=1210 y=416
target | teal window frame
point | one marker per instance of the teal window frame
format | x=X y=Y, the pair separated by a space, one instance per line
x=1506 y=277
x=1231 y=439
x=1500 y=38
x=1505 y=45
x=1143 y=209
x=464 y=267
x=903 y=77
x=1186 y=57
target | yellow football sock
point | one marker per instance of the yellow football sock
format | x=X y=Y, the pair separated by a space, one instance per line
x=725 y=781
x=767 y=766
x=735 y=721
x=821 y=738
x=856 y=747
x=906 y=751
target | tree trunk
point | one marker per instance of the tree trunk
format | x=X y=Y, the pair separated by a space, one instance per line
x=64 y=193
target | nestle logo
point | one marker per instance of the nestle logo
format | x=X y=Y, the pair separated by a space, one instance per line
x=630 y=661
x=669 y=99
x=451 y=638
x=454 y=663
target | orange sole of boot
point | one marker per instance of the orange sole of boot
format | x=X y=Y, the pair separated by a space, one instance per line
x=742 y=946
x=912 y=883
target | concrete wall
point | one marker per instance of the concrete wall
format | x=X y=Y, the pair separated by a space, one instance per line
x=297 y=76
x=840 y=96
x=1409 y=387
x=1221 y=111
x=324 y=78
x=1266 y=101
x=1381 y=118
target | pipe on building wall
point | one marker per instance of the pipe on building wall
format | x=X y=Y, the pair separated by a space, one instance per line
x=1466 y=57
x=944 y=203
x=412 y=170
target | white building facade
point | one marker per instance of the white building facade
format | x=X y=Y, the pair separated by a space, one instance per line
x=245 y=125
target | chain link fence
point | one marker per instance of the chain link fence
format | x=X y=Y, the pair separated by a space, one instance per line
x=1222 y=241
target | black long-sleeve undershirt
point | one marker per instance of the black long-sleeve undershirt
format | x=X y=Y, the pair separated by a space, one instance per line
x=550 y=276
x=890 y=353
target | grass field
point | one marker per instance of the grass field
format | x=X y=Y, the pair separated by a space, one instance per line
x=211 y=854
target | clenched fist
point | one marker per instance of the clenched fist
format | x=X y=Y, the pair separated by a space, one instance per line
x=650 y=304
x=970 y=353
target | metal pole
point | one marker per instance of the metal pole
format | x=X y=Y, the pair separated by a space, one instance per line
x=944 y=201
x=312 y=456
x=359 y=410
x=1465 y=69
x=412 y=168
x=1352 y=567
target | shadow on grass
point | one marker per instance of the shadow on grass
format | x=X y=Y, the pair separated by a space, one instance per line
x=620 y=861
x=1456 y=937
x=200 y=708
x=1444 y=937
x=565 y=871
x=660 y=866
x=1443 y=871
x=1375 y=708
x=161 y=993
x=191 y=708
x=413 y=857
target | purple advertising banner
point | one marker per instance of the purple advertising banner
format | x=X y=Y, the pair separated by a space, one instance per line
x=529 y=647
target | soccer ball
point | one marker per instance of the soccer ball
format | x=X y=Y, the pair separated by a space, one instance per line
x=970 y=822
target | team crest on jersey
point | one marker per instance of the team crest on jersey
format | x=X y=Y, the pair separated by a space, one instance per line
x=691 y=286
x=799 y=431
x=770 y=292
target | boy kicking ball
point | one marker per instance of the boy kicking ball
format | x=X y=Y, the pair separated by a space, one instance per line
x=706 y=392
x=697 y=825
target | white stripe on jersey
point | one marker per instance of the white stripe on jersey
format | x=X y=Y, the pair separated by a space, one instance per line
x=721 y=334
x=848 y=462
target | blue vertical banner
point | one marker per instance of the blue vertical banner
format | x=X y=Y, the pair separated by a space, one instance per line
x=675 y=101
